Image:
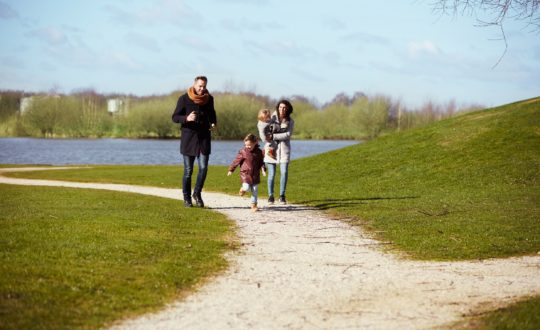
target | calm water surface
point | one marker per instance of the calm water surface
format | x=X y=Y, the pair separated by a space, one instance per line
x=132 y=152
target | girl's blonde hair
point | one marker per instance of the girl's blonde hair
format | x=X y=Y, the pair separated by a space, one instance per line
x=250 y=137
x=264 y=115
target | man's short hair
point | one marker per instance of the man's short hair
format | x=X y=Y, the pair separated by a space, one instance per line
x=203 y=78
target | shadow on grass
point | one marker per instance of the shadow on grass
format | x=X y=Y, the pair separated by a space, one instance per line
x=278 y=208
x=325 y=204
x=290 y=208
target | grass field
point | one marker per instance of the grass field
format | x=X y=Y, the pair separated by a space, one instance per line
x=460 y=189
x=523 y=315
x=73 y=258
x=463 y=188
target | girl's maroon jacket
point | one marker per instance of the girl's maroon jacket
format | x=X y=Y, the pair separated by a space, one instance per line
x=250 y=162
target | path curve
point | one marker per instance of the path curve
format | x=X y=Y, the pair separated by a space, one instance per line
x=298 y=269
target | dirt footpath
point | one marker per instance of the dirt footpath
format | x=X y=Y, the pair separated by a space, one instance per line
x=298 y=269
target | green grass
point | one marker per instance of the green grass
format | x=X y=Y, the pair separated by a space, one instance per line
x=150 y=175
x=523 y=315
x=72 y=258
x=463 y=188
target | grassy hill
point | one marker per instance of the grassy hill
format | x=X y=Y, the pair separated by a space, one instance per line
x=462 y=188
x=466 y=187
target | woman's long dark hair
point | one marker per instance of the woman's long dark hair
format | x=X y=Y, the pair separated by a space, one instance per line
x=289 y=109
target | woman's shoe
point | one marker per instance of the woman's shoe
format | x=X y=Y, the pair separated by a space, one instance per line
x=282 y=200
x=271 y=200
x=254 y=207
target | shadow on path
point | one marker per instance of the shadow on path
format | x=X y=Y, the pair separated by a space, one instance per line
x=279 y=208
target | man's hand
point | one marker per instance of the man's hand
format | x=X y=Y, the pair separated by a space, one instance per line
x=192 y=116
x=264 y=171
x=229 y=173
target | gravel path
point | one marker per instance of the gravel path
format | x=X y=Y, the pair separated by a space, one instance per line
x=298 y=269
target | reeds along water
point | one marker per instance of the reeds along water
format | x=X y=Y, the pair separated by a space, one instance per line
x=88 y=115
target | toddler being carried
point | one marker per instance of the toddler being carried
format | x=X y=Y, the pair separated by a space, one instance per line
x=268 y=126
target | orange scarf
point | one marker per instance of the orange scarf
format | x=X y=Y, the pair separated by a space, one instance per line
x=198 y=99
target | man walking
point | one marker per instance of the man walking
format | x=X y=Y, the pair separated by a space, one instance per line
x=196 y=114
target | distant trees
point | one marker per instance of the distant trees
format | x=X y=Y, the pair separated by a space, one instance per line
x=371 y=116
x=88 y=115
x=9 y=103
x=148 y=117
x=9 y=108
x=237 y=114
x=43 y=116
x=85 y=113
x=82 y=114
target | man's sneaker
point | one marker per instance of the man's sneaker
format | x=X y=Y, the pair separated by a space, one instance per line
x=241 y=192
x=198 y=200
x=188 y=203
x=271 y=200
x=282 y=200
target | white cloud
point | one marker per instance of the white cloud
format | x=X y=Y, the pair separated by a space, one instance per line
x=335 y=24
x=197 y=44
x=244 y=24
x=158 y=13
x=11 y=61
x=249 y=2
x=308 y=75
x=283 y=48
x=143 y=41
x=6 y=12
x=51 y=35
x=419 y=48
x=365 y=38
x=122 y=60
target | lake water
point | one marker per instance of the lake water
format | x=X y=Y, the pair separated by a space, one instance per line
x=132 y=152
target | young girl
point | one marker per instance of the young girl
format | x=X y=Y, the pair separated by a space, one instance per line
x=266 y=127
x=250 y=160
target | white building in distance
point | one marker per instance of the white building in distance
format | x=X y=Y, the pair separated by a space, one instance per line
x=117 y=106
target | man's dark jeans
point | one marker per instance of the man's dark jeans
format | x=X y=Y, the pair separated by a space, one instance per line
x=188 y=171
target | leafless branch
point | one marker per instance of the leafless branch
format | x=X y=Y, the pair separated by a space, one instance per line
x=497 y=12
x=505 y=48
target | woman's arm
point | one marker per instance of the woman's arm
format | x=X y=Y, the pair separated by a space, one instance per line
x=286 y=133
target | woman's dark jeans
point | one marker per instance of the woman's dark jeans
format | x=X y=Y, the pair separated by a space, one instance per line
x=188 y=171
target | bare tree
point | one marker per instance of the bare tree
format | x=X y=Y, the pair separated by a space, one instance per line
x=494 y=13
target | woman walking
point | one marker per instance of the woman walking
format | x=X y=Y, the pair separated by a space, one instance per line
x=282 y=116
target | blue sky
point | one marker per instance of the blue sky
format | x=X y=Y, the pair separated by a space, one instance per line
x=398 y=48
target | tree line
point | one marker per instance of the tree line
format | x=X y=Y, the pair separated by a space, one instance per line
x=85 y=114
